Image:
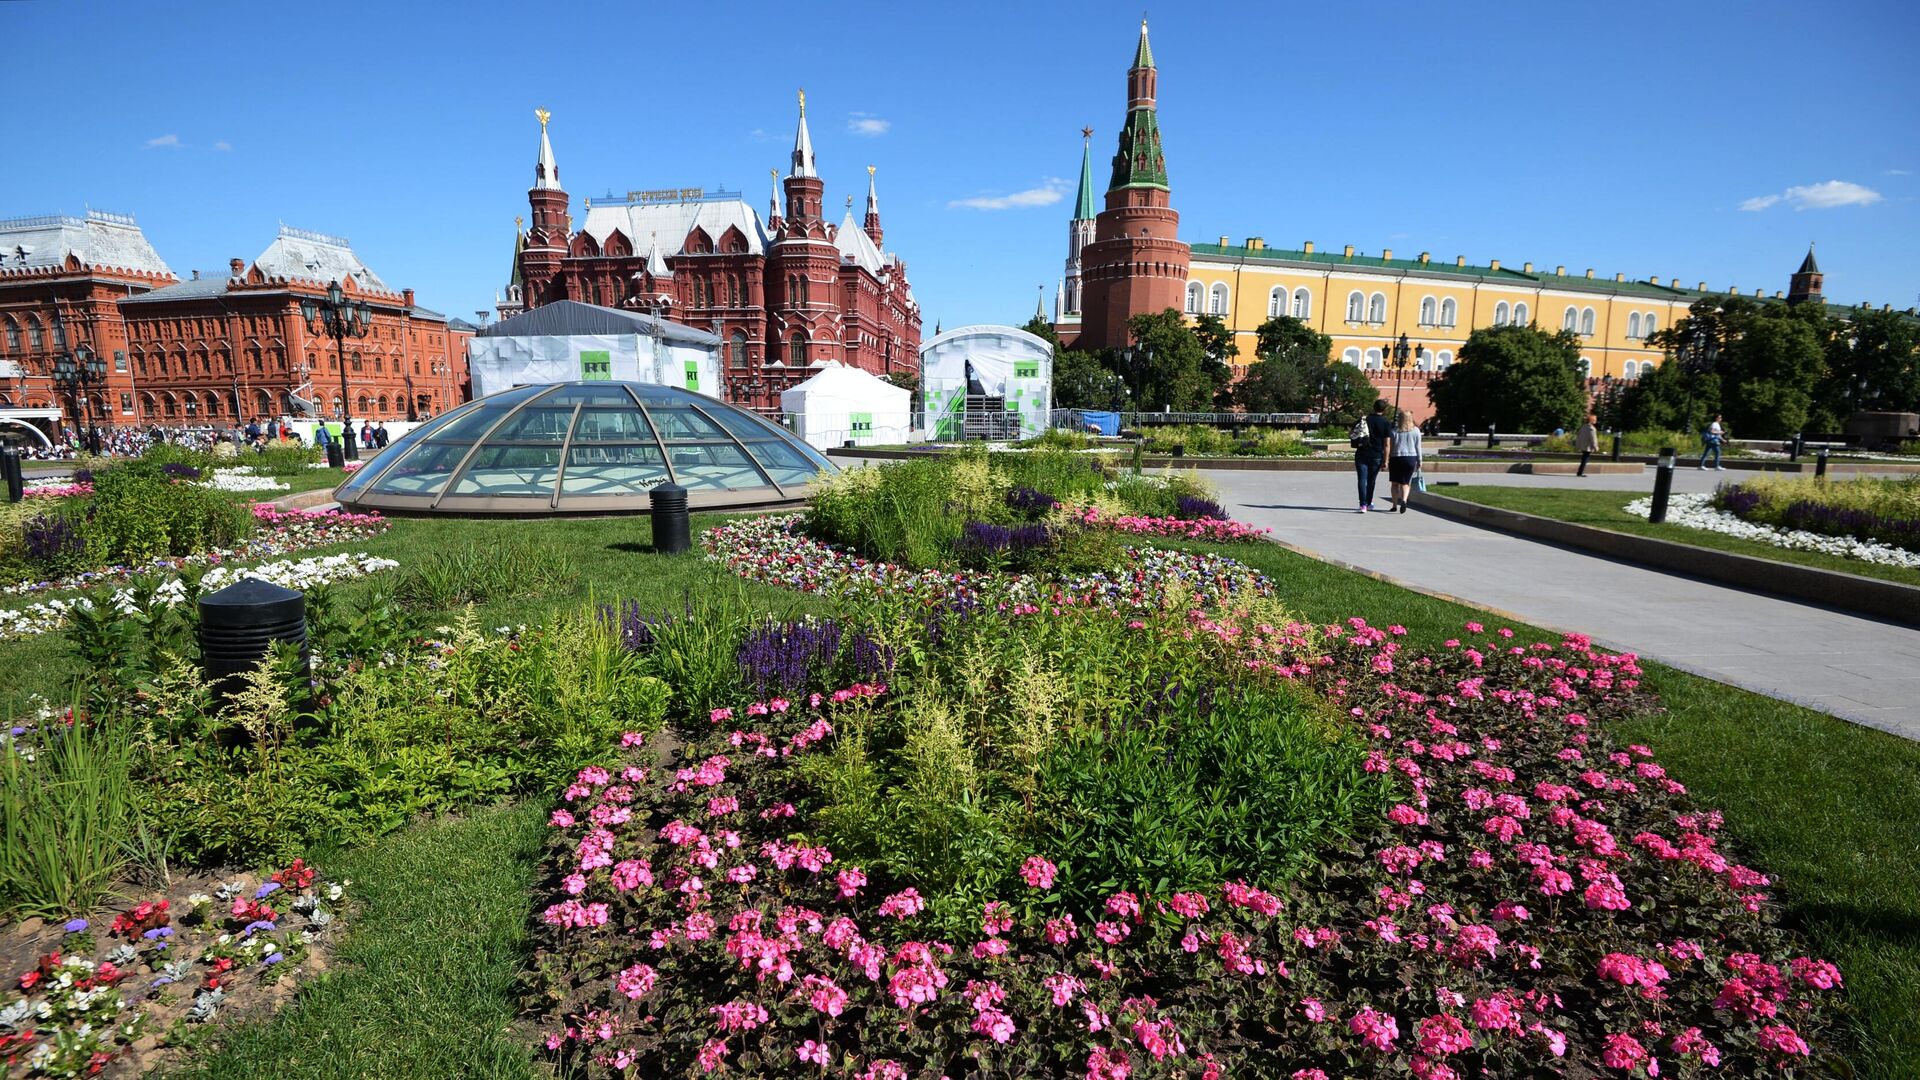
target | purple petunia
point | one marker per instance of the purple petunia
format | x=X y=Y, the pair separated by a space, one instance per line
x=74 y=926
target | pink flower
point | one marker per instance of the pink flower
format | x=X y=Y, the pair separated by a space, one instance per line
x=631 y=874
x=995 y=918
x=812 y=1052
x=1124 y=905
x=1781 y=1039
x=1190 y=904
x=716 y=716
x=712 y=1054
x=904 y=904
x=1375 y=1028
x=1061 y=930
x=1632 y=971
x=1602 y=896
x=1038 y=872
x=561 y=819
x=1623 y=1052
x=1443 y=1035
x=1313 y=1009
x=635 y=981
x=851 y=881
x=739 y=1015
x=1063 y=987
x=1112 y=933
x=824 y=996
x=1309 y=1074
x=994 y=1024
x=1816 y=973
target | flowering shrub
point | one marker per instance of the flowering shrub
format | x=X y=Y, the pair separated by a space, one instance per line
x=1217 y=529
x=1880 y=512
x=74 y=1013
x=1538 y=901
x=773 y=550
x=55 y=490
x=1699 y=512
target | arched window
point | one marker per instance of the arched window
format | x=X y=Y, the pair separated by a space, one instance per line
x=13 y=335
x=1217 y=303
x=797 y=349
x=1586 y=322
x=1373 y=360
x=1422 y=360
x=1356 y=307
x=1377 y=308
x=59 y=333
x=383 y=404
x=737 y=349
x=806 y=291
x=146 y=406
x=1302 y=304
x=1429 y=311
x=1443 y=361
x=1630 y=369
x=1571 y=320
x=1449 y=312
x=213 y=405
x=1277 y=302
x=35 y=341
x=1651 y=325
x=1501 y=313
x=1351 y=356
x=1194 y=293
x=1586 y=368
x=1520 y=315
x=1633 y=325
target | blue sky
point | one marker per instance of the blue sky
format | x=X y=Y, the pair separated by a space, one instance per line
x=1670 y=140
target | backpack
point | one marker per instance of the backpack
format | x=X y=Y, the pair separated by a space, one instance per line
x=1358 y=435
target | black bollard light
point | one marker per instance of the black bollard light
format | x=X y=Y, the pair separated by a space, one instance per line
x=1662 y=485
x=1798 y=446
x=1820 y=463
x=16 y=479
x=671 y=534
x=239 y=623
x=1616 y=446
x=336 y=455
x=1492 y=440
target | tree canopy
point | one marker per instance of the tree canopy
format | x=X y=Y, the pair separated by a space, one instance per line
x=1285 y=375
x=1512 y=378
x=1167 y=367
x=1761 y=366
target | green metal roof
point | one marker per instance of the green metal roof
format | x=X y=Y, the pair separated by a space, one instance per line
x=1083 y=208
x=1505 y=275
x=1143 y=56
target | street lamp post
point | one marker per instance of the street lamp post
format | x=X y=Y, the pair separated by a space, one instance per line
x=1698 y=352
x=77 y=372
x=1400 y=352
x=338 y=318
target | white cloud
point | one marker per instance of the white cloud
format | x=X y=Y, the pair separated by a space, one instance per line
x=1052 y=191
x=1898 y=172
x=868 y=124
x=223 y=146
x=1822 y=196
x=759 y=135
x=170 y=142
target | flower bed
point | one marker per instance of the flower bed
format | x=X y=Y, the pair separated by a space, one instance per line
x=1539 y=901
x=293 y=574
x=110 y=995
x=1875 y=511
x=56 y=490
x=773 y=550
x=288 y=531
x=1216 y=530
x=242 y=478
x=1698 y=512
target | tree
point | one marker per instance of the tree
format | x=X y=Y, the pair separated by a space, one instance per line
x=1512 y=378
x=1167 y=365
x=1042 y=329
x=1081 y=381
x=1757 y=364
x=1873 y=364
x=1217 y=342
x=1286 y=375
x=1342 y=393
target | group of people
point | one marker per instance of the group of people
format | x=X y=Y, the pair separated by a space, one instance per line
x=70 y=443
x=1396 y=444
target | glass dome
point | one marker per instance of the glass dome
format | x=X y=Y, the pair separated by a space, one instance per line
x=585 y=447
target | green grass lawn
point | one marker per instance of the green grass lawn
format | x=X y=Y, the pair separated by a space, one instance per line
x=423 y=982
x=1605 y=510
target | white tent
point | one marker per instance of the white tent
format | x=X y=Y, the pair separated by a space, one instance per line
x=568 y=340
x=841 y=404
x=999 y=367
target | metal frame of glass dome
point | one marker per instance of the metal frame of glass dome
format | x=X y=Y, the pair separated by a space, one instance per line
x=595 y=447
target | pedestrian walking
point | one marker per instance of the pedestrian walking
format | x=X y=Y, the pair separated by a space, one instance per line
x=1587 y=441
x=1404 y=462
x=1710 y=444
x=1369 y=438
x=380 y=435
x=366 y=435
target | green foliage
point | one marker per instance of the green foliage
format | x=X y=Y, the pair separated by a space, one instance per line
x=1342 y=393
x=138 y=513
x=66 y=816
x=282 y=459
x=1168 y=367
x=1873 y=363
x=476 y=573
x=1200 y=441
x=1082 y=381
x=1513 y=378
x=166 y=453
x=1766 y=364
x=1288 y=372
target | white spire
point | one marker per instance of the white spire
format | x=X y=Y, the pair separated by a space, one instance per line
x=656 y=265
x=547 y=173
x=803 y=144
x=773 y=194
x=873 y=197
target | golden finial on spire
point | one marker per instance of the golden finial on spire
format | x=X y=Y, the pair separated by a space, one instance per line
x=849 y=202
x=544 y=116
x=519 y=222
x=869 y=172
x=803 y=101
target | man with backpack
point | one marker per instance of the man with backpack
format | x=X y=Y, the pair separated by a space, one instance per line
x=1368 y=437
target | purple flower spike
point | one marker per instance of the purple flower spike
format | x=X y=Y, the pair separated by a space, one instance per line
x=266 y=890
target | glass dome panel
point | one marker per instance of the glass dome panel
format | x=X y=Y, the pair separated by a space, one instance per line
x=586 y=447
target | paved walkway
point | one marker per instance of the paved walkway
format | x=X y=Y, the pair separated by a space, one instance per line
x=1852 y=667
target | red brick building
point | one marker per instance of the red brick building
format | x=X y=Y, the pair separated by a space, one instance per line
x=785 y=296
x=213 y=350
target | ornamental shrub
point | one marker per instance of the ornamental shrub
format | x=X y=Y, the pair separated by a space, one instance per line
x=1885 y=511
x=283 y=459
x=137 y=512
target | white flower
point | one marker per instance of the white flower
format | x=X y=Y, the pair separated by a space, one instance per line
x=1695 y=511
x=242 y=478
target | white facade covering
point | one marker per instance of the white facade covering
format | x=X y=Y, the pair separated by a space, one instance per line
x=842 y=404
x=1005 y=361
x=568 y=341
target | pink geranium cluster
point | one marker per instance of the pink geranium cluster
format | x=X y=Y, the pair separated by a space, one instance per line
x=1215 y=530
x=1440 y=947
